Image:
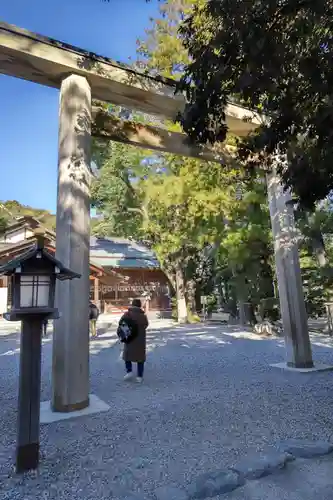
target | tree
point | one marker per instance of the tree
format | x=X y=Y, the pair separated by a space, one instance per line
x=11 y=209
x=185 y=225
x=163 y=52
x=175 y=206
x=247 y=248
x=117 y=191
x=315 y=228
x=3 y=224
x=275 y=57
x=186 y=209
x=187 y=242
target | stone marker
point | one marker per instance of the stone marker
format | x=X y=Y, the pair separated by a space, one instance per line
x=170 y=493
x=306 y=449
x=266 y=328
x=134 y=496
x=262 y=465
x=211 y=484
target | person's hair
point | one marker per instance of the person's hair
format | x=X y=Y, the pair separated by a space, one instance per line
x=136 y=303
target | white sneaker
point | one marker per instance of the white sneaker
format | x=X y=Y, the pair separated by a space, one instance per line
x=139 y=380
x=128 y=376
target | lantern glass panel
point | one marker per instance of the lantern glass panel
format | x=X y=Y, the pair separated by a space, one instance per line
x=34 y=290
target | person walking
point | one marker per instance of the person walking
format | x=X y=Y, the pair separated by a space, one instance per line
x=45 y=325
x=135 y=350
x=93 y=317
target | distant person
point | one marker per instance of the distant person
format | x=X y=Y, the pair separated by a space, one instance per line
x=45 y=324
x=132 y=332
x=93 y=317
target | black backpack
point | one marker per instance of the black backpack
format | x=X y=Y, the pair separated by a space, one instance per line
x=93 y=312
x=127 y=330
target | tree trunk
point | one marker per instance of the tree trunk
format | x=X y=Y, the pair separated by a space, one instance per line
x=251 y=314
x=171 y=277
x=180 y=294
x=191 y=294
x=318 y=246
x=198 y=305
x=241 y=293
x=267 y=281
x=242 y=312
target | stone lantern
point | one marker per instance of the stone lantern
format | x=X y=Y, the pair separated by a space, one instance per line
x=34 y=274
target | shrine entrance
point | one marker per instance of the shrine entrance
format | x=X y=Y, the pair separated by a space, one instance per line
x=82 y=76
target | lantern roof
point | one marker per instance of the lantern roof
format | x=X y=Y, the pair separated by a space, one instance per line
x=38 y=251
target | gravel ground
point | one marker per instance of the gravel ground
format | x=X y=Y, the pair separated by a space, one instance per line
x=209 y=396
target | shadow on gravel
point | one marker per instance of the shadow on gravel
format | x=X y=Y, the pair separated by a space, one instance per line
x=208 y=396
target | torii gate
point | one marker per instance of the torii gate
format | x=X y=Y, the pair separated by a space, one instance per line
x=81 y=76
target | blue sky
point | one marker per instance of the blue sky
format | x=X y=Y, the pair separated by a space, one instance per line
x=29 y=112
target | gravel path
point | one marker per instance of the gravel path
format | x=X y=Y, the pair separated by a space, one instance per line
x=209 y=396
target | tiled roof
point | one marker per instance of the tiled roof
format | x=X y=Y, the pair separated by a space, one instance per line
x=4 y=246
x=64 y=273
x=106 y=252
x=128 y=263
x=120 y=252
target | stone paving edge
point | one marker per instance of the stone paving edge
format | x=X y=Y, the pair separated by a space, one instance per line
x=219 y=482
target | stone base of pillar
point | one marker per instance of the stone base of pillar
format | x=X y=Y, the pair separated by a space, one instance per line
x=308 y=364
x=59 y=408
x=47 y=415
x=317 y=367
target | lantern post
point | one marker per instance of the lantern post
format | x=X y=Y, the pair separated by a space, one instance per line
x=33 y=275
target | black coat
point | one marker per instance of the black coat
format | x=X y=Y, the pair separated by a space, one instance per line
x=135 y=351
x=93 y=312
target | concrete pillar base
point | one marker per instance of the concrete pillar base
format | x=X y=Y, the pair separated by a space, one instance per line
x=58 y=407
x=317 y=367
x=47 y=416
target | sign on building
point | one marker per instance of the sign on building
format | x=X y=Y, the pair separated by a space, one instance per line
x=3 y=300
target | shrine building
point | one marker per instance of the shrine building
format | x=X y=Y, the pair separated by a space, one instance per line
x=120 y=269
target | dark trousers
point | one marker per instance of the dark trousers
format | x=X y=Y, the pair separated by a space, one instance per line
x=141 y=365
x=45 y=323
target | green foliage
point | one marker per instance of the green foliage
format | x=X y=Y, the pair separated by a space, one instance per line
x=274 y=57
x=269 y=309
x=185 y=208
x=193 y=318
x=187 y=205
x=162 y=51
x=247 y=248
x=315 y=257
x=177 y=205
x=3 y=224
x=180 y=205
x=315 y=291
x=11 y=209
x=117 y=192
x=245 y=245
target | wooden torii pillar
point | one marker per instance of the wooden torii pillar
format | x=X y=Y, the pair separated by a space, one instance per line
x=81 y=76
